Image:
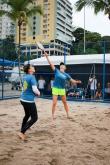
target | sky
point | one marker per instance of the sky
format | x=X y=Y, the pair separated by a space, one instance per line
x=95 y=23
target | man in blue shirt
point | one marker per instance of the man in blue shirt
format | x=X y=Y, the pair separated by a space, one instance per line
x=59 y=85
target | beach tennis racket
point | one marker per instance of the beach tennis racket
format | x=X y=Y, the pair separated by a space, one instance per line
x=40 y=46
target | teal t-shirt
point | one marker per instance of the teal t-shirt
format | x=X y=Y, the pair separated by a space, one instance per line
x=60 y=79
x=27 y=92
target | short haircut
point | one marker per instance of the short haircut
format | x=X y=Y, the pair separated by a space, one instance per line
x=26 y=68
x=62 y=63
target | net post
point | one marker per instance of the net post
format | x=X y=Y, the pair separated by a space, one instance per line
x=103 y=70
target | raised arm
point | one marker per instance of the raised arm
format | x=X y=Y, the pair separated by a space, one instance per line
x=47 y=57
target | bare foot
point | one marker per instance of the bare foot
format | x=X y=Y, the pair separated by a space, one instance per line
x=22 y=136
x=53 y=117
x=68 y=116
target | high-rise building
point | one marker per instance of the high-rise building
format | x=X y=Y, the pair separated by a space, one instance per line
x=7 y=27
x=53 y=29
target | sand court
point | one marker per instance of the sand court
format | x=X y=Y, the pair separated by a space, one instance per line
x=84 y=139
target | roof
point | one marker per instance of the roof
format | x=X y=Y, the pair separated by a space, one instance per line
x=5 y=62
x=72 y=59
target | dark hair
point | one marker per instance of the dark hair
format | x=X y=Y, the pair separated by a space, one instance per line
x=26 y=68
x=62 y=63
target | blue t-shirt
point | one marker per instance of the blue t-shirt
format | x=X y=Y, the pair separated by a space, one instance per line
x=27 y=92
x=60 y=79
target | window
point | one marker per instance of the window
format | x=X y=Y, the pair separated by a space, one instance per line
x=24 y=39
x=24 y=24
x=45 y=21
x=52 y=52
x=45 y=26
x=33 y=47
x=23 y=34
x=46 y=15
x=52 y=46
x=34 y=33
x=34 y=17
x=44 y=31
x=24 y=29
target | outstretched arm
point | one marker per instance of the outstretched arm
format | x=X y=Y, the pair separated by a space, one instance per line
x=75 y=81
x=51 y=65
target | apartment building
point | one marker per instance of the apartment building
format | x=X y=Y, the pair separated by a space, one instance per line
x=53 y=29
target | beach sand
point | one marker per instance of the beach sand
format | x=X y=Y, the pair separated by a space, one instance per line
x=82 y=140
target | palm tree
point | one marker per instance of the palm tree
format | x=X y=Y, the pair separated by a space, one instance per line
x=98 y=5
x=20 y=11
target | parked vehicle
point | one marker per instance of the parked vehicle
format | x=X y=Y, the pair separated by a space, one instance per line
x=15 y=79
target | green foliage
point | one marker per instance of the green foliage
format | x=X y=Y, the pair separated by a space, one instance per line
x=8 y=49
x=21 y=10
x=93 y=37
x=97 y=5
x=79 y=34
x=90 y=36
x=94 y=42
x=91 y=51
x=106 y=38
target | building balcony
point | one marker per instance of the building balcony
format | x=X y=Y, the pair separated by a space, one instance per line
x=61 y=13
x=69 y=13
x=61 y=25
x=69 y=29
x=65 y=3
x=60 y=3
x=69 y=33
x=61 y=17
x=60 y=29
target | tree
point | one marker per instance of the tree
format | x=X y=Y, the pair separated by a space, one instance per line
x=20 y=11
x=106 y=38
x=93 y=37
x=98 y=5
x=93 y=42
x=78 y=33
x=8 y=48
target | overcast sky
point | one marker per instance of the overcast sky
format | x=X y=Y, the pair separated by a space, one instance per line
x=99 y=23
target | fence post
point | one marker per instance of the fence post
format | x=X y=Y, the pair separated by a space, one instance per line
x=104 y=71
x=3 y=80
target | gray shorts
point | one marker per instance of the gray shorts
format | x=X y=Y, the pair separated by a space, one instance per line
x=93 y=92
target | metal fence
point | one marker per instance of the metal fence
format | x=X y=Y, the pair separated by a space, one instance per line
x=10 y=86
